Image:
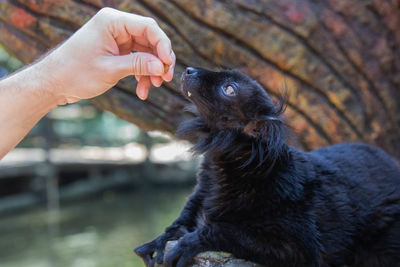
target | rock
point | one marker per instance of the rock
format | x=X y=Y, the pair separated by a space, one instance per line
x=213 y=259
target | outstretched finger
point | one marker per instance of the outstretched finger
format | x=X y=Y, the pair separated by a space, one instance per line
x=143 y=87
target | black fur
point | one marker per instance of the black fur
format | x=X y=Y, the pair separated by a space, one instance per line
x=270 y=203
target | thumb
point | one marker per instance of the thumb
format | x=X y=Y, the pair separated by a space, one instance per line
x=138 y=63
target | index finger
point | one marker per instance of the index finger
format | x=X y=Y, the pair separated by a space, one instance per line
x=139 y=26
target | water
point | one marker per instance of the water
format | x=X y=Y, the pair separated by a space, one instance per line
x=98 y=232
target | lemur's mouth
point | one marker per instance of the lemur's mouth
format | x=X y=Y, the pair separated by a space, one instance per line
x=184 y=89
x=190 y=83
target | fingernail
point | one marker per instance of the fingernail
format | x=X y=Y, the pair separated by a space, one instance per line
x=141 y=96
x=155 y=68
x=139 y=92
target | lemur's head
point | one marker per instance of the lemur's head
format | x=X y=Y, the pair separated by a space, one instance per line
x=230 y=100
x=234 y=115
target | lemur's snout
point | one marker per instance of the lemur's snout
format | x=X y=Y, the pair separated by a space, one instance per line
x=190 y=71
x=189 y=81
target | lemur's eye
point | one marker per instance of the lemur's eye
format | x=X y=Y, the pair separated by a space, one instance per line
x=229 y=90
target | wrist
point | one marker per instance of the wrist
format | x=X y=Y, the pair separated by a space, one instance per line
x=47 y=81
x=24 y=100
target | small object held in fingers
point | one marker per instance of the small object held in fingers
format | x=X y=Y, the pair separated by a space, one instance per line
x=166 y=68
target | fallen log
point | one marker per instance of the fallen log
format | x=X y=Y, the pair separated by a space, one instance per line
x=339 y=60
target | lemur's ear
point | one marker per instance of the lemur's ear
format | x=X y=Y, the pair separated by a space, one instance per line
x=261 y=127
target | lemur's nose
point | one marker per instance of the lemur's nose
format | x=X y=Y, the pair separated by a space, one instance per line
x=190 y=71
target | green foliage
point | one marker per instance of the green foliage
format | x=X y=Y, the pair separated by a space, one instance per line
x=9 y=62
x=82 y=124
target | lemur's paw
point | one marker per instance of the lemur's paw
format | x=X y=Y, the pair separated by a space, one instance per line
x=183 y=252
x=146 y=252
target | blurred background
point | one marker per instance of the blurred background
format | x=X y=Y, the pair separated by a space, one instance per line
x=84 y=188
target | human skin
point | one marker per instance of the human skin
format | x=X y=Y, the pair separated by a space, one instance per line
x=86 y=65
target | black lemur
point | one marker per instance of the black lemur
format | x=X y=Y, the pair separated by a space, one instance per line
x=273 y=204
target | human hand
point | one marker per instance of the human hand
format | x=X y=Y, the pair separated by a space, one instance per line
x=99 y=54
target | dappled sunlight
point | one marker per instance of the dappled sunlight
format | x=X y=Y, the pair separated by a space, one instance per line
x=174 y=151
x=131 y=152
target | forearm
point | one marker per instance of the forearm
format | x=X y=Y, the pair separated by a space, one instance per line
x=86 y=65
x=190 y=212
x=25 y=97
